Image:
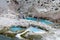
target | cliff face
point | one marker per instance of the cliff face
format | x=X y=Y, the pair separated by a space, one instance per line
x=44 y=8
x=49 y=9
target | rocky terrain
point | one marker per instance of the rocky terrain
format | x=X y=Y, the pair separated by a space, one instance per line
x=13 y=12
x=49 y=9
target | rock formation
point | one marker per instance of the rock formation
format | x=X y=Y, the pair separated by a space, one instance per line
x=48 y=9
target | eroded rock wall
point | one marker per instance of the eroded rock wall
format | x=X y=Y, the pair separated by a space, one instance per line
x=49 y=9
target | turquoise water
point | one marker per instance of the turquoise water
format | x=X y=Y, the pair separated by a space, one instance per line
x=15 y=28
x=45 y=21
x=41 y=20
x=34 y=29
x=30 y=18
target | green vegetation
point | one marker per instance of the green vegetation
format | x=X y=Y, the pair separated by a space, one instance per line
x=23 y=35
x=31 y=37
x=3 y=32
x=42 y=28
x=12 y=35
